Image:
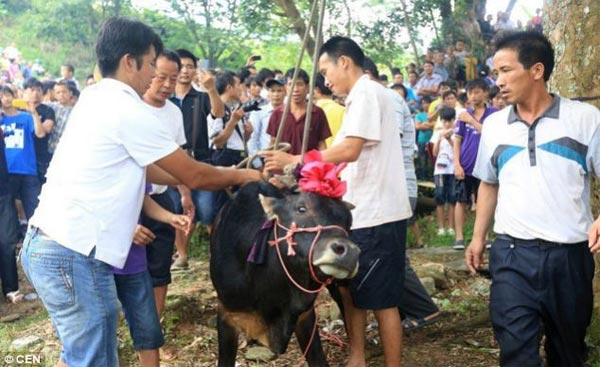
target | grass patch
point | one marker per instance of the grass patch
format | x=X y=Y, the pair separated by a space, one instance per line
x=200 y=244
x=428 y=228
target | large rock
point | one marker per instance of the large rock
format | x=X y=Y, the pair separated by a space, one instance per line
x=436 y=271
x=24 y=343
x=480 y=286
x=435 y=254
x=429 y=285
x=259 y=354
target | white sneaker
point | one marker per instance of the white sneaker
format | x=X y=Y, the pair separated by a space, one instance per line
x=441 y=232
x=450 y=231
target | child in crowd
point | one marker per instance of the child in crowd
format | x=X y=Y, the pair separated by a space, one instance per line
x=134 y=285
x=443 y=174
x=424 y=132
x=496 y=98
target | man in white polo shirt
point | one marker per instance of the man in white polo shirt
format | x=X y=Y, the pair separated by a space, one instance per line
x=369 y=140
x=534 y=161
x=90 y=205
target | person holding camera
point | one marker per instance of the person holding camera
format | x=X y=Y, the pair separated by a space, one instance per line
x=229 y=134
x=294 y=126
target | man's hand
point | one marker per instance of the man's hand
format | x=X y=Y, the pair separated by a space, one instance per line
x=252 y=175
x=466 y=117
x=459 y=172
x=474 y=255
x=143 y=236
x=181 y=222
x=594 y=236
x=188 y=206
x=236 y=115
x=206 y=80
x=276 y=160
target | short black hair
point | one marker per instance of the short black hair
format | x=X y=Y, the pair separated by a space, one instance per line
x=444 y=84
x=426 y=99
x=369 y=65
x=119 y=36
x=463 y=98
x=7 y=90
x=302 y=74
x=449 y=92
x=276 y=71
x=428 y=62
x=477 y=83
x=320 y=84
x=69 y=67
x=396 y=71
x=48 y=85
x=243 y=73
x=402 y=87
x=90 y=76
x=383 y=77
x=33 y=83
x=494 y=91
x=223 y=79
x=171 y=56
x=186 y=54
x=343 y=46
x=263 y=75
x=447 y=113
x=531 y=47
x=251 y=79
x=414 y=72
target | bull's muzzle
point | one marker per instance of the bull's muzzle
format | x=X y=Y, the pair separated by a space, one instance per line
x=339 y=259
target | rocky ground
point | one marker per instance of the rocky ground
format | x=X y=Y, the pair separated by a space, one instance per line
x=461 y=338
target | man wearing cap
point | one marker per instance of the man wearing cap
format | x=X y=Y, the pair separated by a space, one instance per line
x=260 y=139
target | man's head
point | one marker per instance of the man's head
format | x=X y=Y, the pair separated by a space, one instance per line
x=425 y=102
x=168 y=66
x=66 y=71
x=189 y=63
x=413 y=78
x=397 y=76
x=300 y=91
x=8 y=95
x=253 y=87
x=33 y=91
x=340 y=58
x=449 y=99
x=428 y=68
x=228 y=86
x=371 y=69
x=263 y=76
x=524 y=62
x=477 y=92
x=447 y=117
x=63 y=93
x=438 y=58
x=400 y=89
x=443 y=87
x=496 y=98
x=126 y=49
x=276 y=88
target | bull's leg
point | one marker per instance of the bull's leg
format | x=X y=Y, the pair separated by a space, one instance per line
x=228 y=343
x=304 y=330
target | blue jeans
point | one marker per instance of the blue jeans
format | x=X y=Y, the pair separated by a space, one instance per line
x=204 y=201
x=137 y=298
x=80 y=295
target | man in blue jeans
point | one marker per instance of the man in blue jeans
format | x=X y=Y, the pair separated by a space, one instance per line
x=90 y=204
x=535 y=162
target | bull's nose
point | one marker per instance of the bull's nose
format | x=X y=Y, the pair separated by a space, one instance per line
x=339 y=248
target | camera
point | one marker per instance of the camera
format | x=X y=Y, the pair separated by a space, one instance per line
x=251 y=106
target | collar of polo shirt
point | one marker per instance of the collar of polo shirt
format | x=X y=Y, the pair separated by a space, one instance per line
x=552 y=112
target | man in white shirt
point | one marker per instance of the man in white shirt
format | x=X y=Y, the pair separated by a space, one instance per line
x=369 y=140
x=90 y=205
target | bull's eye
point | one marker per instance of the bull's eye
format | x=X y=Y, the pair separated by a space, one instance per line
x=301 y=209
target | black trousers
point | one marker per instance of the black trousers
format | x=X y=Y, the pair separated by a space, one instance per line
x=540 y=287
x=9 y=236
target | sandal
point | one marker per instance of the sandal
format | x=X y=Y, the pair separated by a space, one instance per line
x=409 y=324
x=14 y=297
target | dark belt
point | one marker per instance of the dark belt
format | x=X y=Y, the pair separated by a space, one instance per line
x=239 y=153
x=539 y=242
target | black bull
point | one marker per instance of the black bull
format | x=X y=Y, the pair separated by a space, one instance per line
x=256 y=296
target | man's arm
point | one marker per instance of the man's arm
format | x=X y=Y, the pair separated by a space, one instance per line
x=217 y=108
x=38 y=128
x=469 y=119
x=221 y=139
x=459 y=172
x=158 y=176
x=487 y=197
x=202 y=176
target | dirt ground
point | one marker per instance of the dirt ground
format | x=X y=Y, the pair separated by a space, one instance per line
x=190 y=319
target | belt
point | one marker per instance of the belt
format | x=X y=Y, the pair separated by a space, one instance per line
x=241 y=153
x=40 y=233
x=539 y=242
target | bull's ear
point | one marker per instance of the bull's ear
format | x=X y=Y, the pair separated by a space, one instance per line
x=349 y=205
x=268 y=204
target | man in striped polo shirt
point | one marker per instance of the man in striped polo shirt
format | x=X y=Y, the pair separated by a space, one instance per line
x=535 y=160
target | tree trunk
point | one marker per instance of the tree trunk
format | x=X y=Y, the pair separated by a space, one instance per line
x=572 y=26
x=298 y=25
x=510 y=7
x=408 y=25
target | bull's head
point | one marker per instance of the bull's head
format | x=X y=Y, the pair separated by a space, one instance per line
x=333 y=254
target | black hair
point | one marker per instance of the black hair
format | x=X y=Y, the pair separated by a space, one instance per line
x=186 y=54
x=90 y=76
x=69 y=67
x=243 y=73
x=452 y=84
x=395 y=71
x=383 y=77
x=263 y=75
x=7 y=90
x=477 y=83
x=48 y=85
x=444 y=84
x=72 y=87
x=400 y=86
x=447 y=113
x=426 y=99
x=449 y=92
x=320 y=83
x=223 y=79
x=171 y=56
x=302 y=74
x=343 y=46
x=119 y=36
x=531 y=47
x=463 y=98
x=369 y=65
x=277 y=71
x=494 y=91
x=414 y=72
x=33 y=83
x=251 y=79
x=428 y=62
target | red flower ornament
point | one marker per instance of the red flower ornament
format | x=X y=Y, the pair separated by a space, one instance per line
x=321 y=177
